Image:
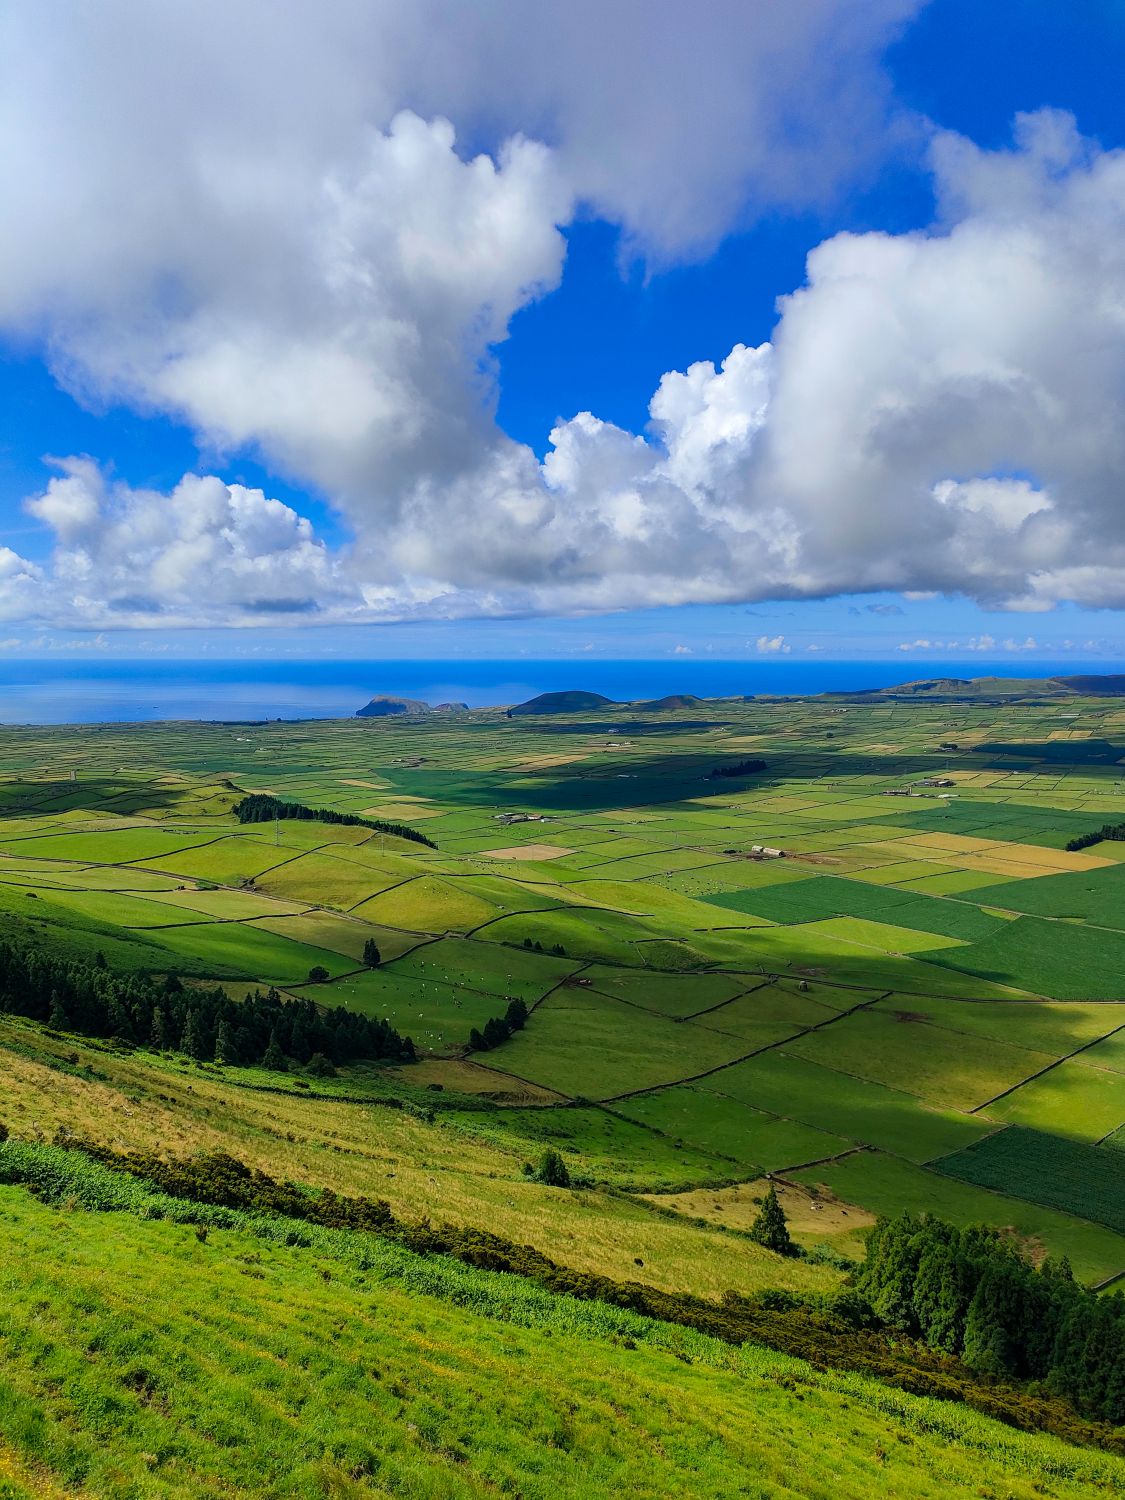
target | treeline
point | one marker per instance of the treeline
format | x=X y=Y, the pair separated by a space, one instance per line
x=740 y=768
x=270 y=1030
x=498 y=1029
x=837 y=1331
x=970 y=1293
x=1106 y=831
x=260 y=807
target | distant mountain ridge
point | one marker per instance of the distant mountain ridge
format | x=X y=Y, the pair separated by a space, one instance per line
x=572 y=701
x=1109 y=685
x=386 y=706
x=670 y=703
x=928 y=689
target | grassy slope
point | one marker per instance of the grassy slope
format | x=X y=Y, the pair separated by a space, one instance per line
x=868 y=878
x=444 y=1170
x=141 y=1362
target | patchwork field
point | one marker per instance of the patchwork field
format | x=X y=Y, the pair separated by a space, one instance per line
x=920 y=1000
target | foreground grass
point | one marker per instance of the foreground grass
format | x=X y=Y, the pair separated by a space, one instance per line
x=138 y=1361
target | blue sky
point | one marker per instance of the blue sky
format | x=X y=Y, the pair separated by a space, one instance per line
x=313 y=383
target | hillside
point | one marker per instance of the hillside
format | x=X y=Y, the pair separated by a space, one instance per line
x=968 y=689
x=670 y=703
x=573 y=701
x=203 y=1360
x=385 y=705
x=873 y=974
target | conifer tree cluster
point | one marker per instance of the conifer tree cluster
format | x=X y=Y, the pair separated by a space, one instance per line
x=498 y=1029
x=259 y=807
x=740 y=768
x=204 y=1024
x=970 y=1293
x=1106 y=831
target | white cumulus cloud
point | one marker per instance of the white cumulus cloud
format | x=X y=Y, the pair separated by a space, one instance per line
x=304 y=231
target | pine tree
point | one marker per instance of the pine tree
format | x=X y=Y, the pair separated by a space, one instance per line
x=770 y=1228
x=993 y=1323
x=225 y=1051
x=120 y=1021
x=371 y=955
x=274 y=1058
x=476 y=1041
x=158 y=1036
x=887 y=1278
x=58 y=1018
x=943 y=1289
x=495 y=1032
x=192 y=1041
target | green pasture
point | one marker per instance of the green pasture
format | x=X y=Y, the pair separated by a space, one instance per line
x=830 y=897
x=890 y=998
x=1045 y=1169
x=765 y=1015
x=754 y=1141
x=437 y=1013
x=894 y=1048
x=1065 y=960
x=248 y=952
x=608 y=1145
x=331 y=879
x=500 y=971
x=1074 y=1099
x=674 y=995
x=1094 y=896
x=589 y=1045
x=426 y=903
x=861 y=1111
x=1054 y=1027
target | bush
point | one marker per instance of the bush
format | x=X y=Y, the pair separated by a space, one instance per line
x=318 y=975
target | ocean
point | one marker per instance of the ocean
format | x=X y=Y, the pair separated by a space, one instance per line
x=86 y=692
